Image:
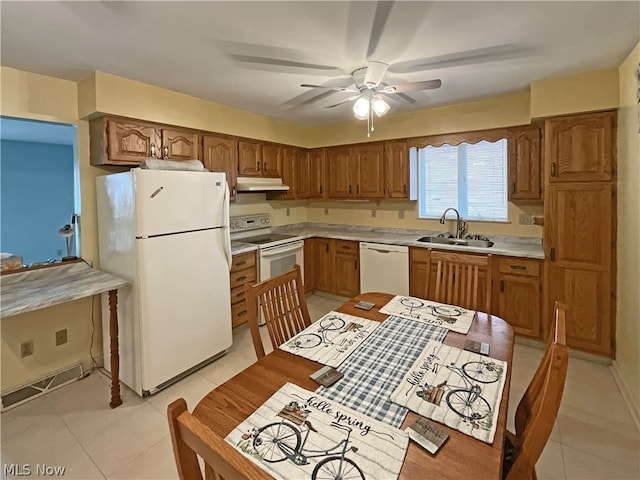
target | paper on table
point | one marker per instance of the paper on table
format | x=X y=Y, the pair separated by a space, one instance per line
x=451 y=317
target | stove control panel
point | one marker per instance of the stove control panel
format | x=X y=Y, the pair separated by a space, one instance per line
x=250 y=222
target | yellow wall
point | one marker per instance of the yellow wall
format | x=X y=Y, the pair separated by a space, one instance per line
x=38 y=97
x=504 y=111
x=128 y=98
x=576 y=93
x=628 y=302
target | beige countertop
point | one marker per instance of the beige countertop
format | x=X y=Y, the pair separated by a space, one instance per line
x=524 y=247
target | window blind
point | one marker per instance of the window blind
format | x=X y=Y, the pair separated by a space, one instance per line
x=470 y=178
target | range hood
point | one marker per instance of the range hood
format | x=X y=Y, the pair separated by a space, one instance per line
x=259 y=184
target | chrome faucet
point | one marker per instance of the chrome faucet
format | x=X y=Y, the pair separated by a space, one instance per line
x=461 y=225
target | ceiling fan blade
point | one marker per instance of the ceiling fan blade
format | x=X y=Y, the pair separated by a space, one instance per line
x=469 y=57
x=335 y=89
x=343 y=101
x=374 y=74
x=413 y=87
x=316 y=98
x=282 y=63
x=383 y=9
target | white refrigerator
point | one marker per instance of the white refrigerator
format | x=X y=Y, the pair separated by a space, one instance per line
x=167 y=233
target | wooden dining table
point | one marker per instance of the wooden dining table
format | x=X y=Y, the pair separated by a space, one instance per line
x=461 y=457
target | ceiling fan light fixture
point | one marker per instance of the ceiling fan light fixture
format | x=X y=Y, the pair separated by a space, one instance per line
x=361 y=107
x=379 y=106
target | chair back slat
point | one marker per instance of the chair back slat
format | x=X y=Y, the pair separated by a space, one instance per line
x=192 y=439
x=538 y=408
x=283 y=305
x=457 y=279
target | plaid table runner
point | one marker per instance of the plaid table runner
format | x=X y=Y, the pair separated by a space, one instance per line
x=377 y=367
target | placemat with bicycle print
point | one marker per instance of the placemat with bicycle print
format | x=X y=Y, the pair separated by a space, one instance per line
x=300 y=434
x=331 y=339
x=451 y=317
x=458 y=388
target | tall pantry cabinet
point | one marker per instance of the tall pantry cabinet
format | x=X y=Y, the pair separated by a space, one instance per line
x=580 y=227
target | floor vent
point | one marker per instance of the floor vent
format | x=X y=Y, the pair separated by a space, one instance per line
x=28 y=392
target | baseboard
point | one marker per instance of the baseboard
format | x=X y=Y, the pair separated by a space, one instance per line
x=626 y=393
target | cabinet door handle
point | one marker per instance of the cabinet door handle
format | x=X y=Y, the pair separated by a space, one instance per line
x=258 y=166
x=165 y=152
x=320 y=189
x=553 y=169
x=355 y=265
x=349 y=189
x=153 y=150
x=404 y=188
x=552 y=254
x=239 y=279
x=358 y=189
x=327 y=247
x=264 y=166
x=518 y=267
x=239 y=264
x=502 y=286
x=513 y=187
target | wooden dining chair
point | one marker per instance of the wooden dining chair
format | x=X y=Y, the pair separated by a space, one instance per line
x=284 y=308
x=538 y=408
x=457 y=279
x=192 y=438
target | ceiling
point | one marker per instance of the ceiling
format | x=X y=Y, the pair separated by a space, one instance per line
x=255 y=55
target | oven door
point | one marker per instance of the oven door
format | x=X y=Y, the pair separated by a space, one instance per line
x=281 y=259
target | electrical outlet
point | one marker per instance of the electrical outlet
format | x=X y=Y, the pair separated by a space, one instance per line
x=326 y=211
x=525 y=219
x=26 y=348
x=373 y=214
x=288 y=212
x=401 y=214
x=61 y=337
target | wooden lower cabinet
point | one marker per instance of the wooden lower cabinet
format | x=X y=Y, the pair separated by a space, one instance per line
x=332 y=266
x=517 y=294
x=243 y=272
x=346 y=266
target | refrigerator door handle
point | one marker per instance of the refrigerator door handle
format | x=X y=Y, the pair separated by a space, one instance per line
x=225 y=226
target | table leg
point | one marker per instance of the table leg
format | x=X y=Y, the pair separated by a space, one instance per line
x=115 y=356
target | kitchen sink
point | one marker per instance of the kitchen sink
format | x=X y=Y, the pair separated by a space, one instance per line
x=464 y=242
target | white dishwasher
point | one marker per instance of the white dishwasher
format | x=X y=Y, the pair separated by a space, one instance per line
x=384 y=268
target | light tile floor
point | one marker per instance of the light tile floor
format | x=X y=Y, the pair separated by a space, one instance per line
x=594 y=436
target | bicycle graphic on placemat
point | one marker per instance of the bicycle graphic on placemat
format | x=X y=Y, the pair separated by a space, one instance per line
x=466 y=401
x=445 y=313
x=286 y=440
x=332 y=323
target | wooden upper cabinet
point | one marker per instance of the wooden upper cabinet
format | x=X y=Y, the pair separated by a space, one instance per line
x=289 y=171
x=369 y=170
x=396 y=155
x=524 y=163
x=180 y=144
x=580 y=148
x=339 y=173
x=271 y=160
x=316 y=168
x=123 y=142
x=249 y=158
x=221 y=155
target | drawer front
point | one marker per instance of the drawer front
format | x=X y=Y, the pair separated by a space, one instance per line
x=244 y=260
x=240 y=277
x=237 y=294
x=347 y=246
x=519 y=266
x=419 y=254
x=239 y=314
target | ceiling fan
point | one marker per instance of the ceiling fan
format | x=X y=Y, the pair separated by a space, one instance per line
x=370 y=92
